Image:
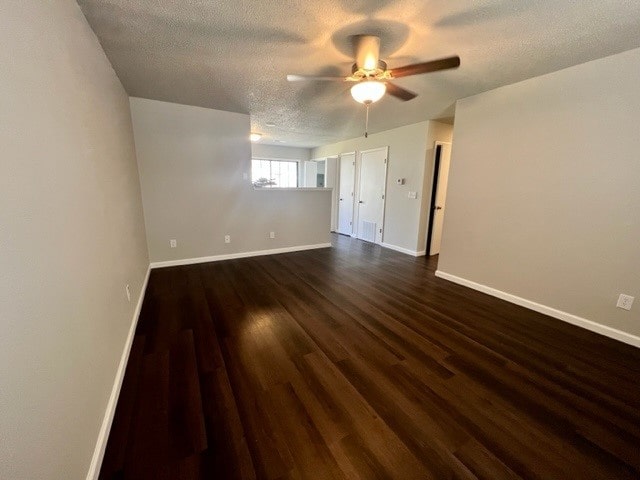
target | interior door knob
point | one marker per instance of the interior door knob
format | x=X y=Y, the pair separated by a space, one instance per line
x=438 y=208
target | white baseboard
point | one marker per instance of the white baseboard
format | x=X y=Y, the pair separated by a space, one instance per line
x=413 y=253
x=231 y=256
x=105 y=428
x=552 y=312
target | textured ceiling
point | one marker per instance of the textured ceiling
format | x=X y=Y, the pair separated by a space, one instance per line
x=234 y=54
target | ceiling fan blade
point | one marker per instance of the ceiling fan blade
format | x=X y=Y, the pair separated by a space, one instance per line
x=426 y=67
x=304 y=78
x=401 y=93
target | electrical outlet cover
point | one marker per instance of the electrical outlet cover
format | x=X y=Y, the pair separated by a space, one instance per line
x=625 y=301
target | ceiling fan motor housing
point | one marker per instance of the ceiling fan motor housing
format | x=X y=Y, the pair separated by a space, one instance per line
x=366 y=51
x=378 y=73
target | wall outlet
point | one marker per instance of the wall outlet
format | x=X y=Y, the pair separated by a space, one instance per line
x=245 y=176
x=272 y=234
x=128 y=290
x=227 y=239
x=625 y=301
x=413 y=195
x=173 y=243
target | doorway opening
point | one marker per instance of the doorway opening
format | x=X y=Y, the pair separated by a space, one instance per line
x=440 y=180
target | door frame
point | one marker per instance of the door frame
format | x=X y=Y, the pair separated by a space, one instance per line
x=337 y=189
x=384 y=191
x=435 y=173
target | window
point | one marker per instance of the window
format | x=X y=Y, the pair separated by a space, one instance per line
x=274 y=173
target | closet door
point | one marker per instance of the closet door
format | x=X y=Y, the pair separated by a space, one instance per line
x=371 y=194
x=346 y=191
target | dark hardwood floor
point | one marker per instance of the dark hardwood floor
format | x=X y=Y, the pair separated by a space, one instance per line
x=357 y=362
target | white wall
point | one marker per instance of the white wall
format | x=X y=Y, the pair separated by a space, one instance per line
x=71 y=236
x=192 y=162
x=544 y=190
x=280 y=151
x=408 y=145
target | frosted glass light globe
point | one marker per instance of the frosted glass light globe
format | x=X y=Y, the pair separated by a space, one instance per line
x=368 y=91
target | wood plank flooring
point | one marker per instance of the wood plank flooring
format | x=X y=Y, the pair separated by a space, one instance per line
x=356 y=362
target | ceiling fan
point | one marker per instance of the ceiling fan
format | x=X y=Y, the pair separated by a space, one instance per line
x=371 y=77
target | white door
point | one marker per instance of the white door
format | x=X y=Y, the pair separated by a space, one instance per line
x=371 y=193
x=310 y=174
x=440 y=197
x=346 y=181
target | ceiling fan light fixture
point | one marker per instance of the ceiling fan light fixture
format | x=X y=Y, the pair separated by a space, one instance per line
x=254 y=137
x=369 y=91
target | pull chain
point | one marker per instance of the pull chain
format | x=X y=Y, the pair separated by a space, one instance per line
x=366 y=122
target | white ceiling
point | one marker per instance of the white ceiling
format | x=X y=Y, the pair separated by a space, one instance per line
x=234 y=54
